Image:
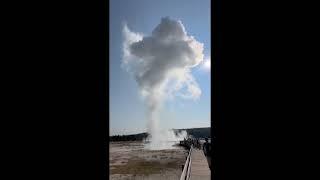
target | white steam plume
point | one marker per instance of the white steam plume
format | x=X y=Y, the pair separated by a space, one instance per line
x=161 y=65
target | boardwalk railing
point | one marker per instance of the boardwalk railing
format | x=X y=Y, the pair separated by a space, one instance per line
x=187 y=167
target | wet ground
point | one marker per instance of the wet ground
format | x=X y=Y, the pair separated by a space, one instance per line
x=129 y=160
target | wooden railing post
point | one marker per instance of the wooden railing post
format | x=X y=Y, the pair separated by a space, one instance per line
x=187 y=167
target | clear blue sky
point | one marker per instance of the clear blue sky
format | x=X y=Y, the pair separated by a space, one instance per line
x=127 y=111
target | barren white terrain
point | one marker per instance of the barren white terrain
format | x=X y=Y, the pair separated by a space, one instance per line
x=130 y=160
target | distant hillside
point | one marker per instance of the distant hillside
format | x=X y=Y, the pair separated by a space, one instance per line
x=132 y=137
x=197 y=132
x=194 y=132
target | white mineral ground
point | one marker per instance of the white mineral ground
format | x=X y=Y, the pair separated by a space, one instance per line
x=130 y=160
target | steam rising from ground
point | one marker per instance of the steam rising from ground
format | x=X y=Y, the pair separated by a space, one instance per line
x=164 y=139
x=161 y=65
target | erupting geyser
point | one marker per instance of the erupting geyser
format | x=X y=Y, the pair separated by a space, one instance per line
x=161 y=65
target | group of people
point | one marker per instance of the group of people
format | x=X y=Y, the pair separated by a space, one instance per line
x=206 y=147
x=195 y=142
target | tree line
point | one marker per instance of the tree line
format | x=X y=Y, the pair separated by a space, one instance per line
x=194 y=132
x=134 y=137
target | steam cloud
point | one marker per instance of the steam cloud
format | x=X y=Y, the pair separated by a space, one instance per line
x=161 y=65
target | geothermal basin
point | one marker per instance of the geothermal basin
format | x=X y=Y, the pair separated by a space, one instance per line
x=133 y=160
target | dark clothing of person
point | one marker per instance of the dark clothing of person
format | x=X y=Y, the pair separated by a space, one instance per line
x=206 y=149
x=207 y=152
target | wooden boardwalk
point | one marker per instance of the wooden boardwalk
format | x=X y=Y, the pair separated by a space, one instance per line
x=199 y=166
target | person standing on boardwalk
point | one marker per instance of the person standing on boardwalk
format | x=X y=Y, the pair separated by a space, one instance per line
x=207 y=151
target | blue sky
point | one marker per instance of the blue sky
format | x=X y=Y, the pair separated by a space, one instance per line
x=127 y=110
